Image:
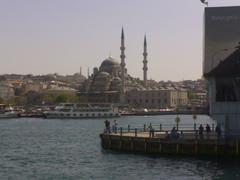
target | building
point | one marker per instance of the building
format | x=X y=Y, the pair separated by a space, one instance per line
x=157 y=98
x=104 y=85
x=222 y=66
x=110 y=82
x=6 y=91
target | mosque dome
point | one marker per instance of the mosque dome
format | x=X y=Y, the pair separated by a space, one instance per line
x=109 y=62
x=109 y=65
x=102 y=74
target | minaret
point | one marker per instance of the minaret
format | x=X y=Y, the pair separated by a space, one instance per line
x=88 y=73
x=145 y=68
x=122 y=56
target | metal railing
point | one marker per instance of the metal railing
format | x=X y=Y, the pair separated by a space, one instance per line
x=166 y=128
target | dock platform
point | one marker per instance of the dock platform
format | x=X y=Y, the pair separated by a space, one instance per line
x=189 y=144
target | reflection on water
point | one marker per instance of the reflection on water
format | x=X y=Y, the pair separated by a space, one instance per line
x=70 y=149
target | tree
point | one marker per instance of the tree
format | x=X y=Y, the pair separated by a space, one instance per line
x=1 y=100
x=61 y=98
x=18 y=101
x=33 y=97
x=48 y=99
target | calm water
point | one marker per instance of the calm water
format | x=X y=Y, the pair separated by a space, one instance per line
x=70 y=149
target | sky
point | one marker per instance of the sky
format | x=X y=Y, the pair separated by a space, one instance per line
x=59 y=36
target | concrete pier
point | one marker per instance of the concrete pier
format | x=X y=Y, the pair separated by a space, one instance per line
x=190 y=144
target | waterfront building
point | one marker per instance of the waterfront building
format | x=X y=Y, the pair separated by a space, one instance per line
x=157 y=98
x=222 y=66
x=198 y=99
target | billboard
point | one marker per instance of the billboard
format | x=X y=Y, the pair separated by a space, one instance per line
x=222 y=35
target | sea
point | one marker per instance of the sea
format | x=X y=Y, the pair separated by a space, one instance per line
x=62 y=149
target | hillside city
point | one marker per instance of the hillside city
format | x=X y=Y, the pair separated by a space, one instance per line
x=51 y=89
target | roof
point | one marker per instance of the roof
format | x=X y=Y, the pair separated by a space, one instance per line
x=109 y=62
x=229 y=67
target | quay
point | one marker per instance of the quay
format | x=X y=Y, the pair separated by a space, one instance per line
x=141 y=141
x=152 y=112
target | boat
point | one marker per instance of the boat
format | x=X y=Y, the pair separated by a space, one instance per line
x=82 y=110
x=6 y=111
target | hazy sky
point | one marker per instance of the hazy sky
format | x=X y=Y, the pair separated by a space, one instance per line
x=47 y=36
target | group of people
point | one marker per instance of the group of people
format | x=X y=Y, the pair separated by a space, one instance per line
x=108 y=126
x=174 y=134
x=208 y=130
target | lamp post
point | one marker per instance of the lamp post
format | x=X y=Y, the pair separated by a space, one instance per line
x=194 y=119
x=177 y=119
x=214 y=54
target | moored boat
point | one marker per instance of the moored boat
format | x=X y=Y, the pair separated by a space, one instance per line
x=6 y=111
x=82 y=110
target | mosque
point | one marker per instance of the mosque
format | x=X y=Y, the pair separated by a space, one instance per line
x=111 y=83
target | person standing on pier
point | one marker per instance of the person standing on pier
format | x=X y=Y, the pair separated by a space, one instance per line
x=174 y=134
x=200 y=129
x=151 y=130
x=208 y=130
x=114 y=127
x=107 y=126
x=218 y=131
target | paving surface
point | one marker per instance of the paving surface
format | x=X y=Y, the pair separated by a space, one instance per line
x=188 y=135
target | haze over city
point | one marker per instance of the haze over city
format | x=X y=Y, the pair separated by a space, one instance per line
x=41 y=37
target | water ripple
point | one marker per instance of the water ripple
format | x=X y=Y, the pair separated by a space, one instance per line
x=70 y=149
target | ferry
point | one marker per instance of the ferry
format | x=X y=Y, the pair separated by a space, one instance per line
x=82 y=110
x=6 y=111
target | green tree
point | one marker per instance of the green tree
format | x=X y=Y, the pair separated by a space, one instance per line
x=33 y=97
x=18 y=101
x=48 y=99
x=61 y=98
x=1 y=100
